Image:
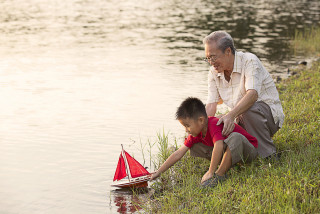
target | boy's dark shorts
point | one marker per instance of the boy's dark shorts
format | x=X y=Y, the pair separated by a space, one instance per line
x=241 y=149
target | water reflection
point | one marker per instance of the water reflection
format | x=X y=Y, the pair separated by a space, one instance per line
x=261 y=27
x=78 y=78
x=128 y=201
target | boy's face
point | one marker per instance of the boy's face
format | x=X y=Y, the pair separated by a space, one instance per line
x=193 y=127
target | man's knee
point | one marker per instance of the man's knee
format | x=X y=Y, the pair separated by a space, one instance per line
x=251 y=112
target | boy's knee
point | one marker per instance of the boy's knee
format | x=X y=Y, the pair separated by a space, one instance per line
x=233 y=140
x=201 y=150
x=241 y=149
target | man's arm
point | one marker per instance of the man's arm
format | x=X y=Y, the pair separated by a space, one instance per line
x=211 y=109
x=216 y=157
x=213 y=95
x=172 y=159
x=243 y=105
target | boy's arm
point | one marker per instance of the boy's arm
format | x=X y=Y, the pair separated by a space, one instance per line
x=216 y=157
x=172 y=159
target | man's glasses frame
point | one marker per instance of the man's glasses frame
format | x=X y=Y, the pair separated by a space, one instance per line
x=211 y=59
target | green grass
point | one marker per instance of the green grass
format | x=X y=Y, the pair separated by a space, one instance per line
x=290 y=185
x=307 y=41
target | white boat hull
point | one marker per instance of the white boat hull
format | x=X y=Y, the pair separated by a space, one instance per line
x=134 y=182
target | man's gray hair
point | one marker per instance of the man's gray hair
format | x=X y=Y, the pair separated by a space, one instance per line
x=222 y=39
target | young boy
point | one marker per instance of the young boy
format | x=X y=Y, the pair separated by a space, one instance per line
x=206 y=140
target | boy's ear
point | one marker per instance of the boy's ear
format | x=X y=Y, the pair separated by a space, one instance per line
x=202 y=119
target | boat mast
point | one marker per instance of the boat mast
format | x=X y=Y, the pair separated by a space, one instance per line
x=126 y=163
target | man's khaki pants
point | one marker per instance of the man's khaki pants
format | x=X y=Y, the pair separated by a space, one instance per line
x=258 y=122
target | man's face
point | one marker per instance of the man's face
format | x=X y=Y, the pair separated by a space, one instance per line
x=219 y=60
x=193 y=127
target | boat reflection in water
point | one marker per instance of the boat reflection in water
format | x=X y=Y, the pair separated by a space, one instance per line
x=130 y=201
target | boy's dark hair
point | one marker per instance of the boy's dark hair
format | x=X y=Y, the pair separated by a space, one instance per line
x=191 y=108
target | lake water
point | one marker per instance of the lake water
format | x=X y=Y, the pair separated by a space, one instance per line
x=80 y=77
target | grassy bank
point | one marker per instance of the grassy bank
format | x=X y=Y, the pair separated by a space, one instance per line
x=288 y=185
x=307 y=41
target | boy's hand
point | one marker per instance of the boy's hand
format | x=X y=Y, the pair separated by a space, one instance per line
x=206 y=176
x=154 y=175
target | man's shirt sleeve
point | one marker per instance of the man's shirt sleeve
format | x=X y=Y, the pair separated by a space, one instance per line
x=253 y=73
x=213 y=93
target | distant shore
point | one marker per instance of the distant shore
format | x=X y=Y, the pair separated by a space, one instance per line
x=292 y=70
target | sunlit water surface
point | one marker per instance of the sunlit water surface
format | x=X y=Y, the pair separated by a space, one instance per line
x=79 y=78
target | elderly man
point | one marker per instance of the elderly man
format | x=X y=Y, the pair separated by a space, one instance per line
x=246 y=87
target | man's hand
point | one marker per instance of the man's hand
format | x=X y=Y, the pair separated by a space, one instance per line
x=154 y=175
x=228 y=121
x=206 y=176
x=219 y=116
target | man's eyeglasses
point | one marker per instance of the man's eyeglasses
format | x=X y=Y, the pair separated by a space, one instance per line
x=211 y=59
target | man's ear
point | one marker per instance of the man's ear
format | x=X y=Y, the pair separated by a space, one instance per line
x=228 y=51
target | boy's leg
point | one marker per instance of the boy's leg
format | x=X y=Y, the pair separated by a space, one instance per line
x=201 y=150
x=236 y=148
x=226 y=162
x=241 y=149
x=220 y=174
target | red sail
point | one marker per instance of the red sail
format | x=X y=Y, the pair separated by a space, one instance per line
x=136 y=169
x=121 y=170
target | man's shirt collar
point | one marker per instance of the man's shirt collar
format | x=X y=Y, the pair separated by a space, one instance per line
x=237 y=64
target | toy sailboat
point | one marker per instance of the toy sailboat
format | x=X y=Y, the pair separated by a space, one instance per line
x=129 y=172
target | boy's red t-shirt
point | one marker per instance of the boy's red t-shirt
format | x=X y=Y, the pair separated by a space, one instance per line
x=214 y=133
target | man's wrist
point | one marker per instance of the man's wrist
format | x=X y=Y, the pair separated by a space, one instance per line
x=232 y=114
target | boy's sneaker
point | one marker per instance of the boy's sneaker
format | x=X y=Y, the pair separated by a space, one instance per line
x=274 y=157
x=214 y=181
